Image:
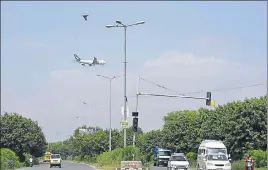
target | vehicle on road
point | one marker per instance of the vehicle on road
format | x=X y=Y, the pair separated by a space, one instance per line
x=47 y=157
x=178 y=161
x=161 y=156
x=55 y=160
x=212 y=155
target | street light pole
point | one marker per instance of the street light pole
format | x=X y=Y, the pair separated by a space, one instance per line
x=125 y=86
x=110 y=119
x=120 y=24
x=110 y=130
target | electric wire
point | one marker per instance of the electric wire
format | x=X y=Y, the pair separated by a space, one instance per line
x=216 y=90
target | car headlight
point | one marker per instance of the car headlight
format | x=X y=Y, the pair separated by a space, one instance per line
x=173 y=166
x=209 y=164
x=228 y=164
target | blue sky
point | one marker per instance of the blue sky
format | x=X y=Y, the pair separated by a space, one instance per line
x=40 y=37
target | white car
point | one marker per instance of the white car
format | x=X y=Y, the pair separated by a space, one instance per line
x=55 y=160
x=216 y=162
x=178 y=162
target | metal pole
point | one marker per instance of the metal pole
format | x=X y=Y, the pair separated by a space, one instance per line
x=137 y=102
x=125 y=87
x=110 y=117
x=134 y=136
x=110 y=132
x=138 y=91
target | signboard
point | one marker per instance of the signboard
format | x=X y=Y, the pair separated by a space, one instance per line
x=122 y=111
x=124 y=124
x=131 y=164
x=87 y=131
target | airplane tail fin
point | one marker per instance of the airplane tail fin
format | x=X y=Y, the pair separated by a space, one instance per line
x=76 y=57
x=94 y=60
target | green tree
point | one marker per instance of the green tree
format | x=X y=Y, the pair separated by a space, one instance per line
x=22 y=135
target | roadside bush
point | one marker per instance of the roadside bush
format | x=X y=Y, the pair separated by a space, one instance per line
x=76 y=158
x=238 y=165
x=259 y=157
x=8 y=157
x=115 y=157
x=191 y=156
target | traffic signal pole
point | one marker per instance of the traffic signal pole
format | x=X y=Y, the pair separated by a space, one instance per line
x=208 y=98
x=137 y=103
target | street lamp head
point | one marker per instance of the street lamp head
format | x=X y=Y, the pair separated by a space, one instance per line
x=140 y=22
x=118 y=22
x=109 y=26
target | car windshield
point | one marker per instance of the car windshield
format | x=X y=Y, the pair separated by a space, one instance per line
x=217 y=150
x=164 y=153
x=217 y=157
x=55 y=156
x=178 y=158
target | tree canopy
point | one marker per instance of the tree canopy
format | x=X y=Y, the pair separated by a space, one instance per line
x=22 y=135
x=241 y=125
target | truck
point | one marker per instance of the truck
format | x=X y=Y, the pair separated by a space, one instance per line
x=161 y=156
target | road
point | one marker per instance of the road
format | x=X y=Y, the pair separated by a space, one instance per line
x=65 y=166
x=164 y=168
x=77 y=166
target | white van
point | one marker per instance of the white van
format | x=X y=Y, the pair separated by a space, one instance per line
x=212 y=155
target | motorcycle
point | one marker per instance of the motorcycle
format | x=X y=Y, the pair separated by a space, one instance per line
x=31 y=164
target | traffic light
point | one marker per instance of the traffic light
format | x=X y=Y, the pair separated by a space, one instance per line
x=135 y=114
x=208 y=101
x=135 y=124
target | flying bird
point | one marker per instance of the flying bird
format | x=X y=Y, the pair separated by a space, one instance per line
x=85 y=17
x=84 y=103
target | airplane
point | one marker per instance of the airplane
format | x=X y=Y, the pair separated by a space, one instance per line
x=93 y=62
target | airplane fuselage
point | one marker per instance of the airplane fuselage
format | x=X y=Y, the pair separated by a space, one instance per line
x=100 y=62
x=86 y=61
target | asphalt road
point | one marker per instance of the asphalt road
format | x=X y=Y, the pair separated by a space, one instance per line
x=164 y=168
x=64 y=165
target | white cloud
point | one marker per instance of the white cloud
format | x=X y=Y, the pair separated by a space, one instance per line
x=185 y=60
x=59 y=102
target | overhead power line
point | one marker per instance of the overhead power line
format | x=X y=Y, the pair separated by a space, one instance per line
x=163 y=87
x=231 y=88
x=226 y=89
